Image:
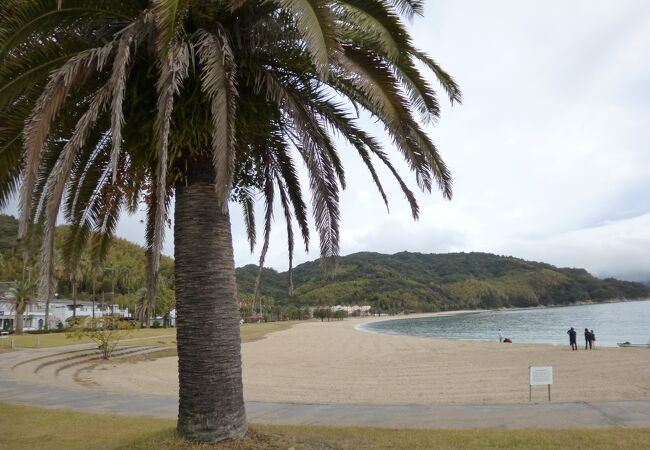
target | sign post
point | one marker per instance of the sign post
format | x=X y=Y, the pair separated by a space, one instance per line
x=539 y=375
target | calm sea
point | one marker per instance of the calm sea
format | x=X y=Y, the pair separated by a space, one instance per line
x=611 y=322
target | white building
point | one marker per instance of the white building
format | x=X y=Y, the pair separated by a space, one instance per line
x=60 y=310
x=363 y=310
x=352 y=310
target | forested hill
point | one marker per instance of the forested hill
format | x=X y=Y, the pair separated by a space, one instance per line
x=393 y=283
x=432 y=282
x=123 y=269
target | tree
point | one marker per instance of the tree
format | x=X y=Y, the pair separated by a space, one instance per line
x=20 y=296
x=108 y=103
x=105 y=331
x=76 y=273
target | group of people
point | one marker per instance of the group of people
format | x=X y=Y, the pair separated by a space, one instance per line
x=590 y=339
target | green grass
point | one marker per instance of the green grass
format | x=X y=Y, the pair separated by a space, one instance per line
x=26 y=428
x=141 y=336
x=60 y=339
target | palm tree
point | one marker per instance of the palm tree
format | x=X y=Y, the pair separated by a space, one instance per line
x=109 y=103
x=76 y=273
x=21 y=296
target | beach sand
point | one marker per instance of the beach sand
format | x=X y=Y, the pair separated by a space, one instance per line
x=332 y=362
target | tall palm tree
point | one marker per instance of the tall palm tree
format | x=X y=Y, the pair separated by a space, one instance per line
x=109 y=103
x=77 y=270
x=20 y=296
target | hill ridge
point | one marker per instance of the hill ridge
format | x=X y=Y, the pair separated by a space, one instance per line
x=403 y=281
x=420 y=282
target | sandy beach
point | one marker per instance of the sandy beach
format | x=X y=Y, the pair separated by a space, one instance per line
x=333 y=362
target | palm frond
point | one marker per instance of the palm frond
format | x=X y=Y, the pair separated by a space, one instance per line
x=38 y=126
x=245 y=198
x=22 y=20
x=218 y=82
x=117 y=82
x=173 y=70
x=286 y=208
x=409 y=8
x=56 y=184
x=169 y=16
x=269 y=193
x=439 y=169
x=373 y=77
x=446 y=81
x=316 y=23
x=374 y=21
x=314 y=146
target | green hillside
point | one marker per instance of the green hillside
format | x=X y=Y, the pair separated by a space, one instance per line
x=391 y=283
x=122 y=271
x=434 y=282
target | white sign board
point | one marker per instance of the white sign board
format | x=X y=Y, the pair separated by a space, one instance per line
x=541 y=375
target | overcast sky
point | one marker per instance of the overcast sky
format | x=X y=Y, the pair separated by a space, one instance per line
x=549 y=150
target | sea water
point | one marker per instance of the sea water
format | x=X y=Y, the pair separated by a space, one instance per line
x=611 y=322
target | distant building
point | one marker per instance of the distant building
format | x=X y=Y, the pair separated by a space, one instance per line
x=60 y=310
x=352 y=310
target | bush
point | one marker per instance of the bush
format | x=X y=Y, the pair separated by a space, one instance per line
x=156 y=324
x=106 y=332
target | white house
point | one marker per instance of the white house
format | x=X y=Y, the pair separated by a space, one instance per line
x=60 y=310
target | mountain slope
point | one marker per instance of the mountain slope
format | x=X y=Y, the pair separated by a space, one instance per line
x=400 y=282
x=434 y=282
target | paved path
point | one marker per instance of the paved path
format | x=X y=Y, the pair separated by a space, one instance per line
x=545 y=415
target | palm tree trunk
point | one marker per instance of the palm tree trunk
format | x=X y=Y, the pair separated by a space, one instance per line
x=74 y=300
x=211 y=400
x=46 y=325
x=93 y=294
x=19 y=321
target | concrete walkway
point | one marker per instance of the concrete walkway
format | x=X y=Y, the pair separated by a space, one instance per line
x=543 y=415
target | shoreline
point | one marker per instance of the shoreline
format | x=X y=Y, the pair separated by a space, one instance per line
x=336 y=363
x=609 y=342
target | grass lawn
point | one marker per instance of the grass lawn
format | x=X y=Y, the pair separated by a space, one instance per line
x=60 y=339
x=140 y=336
x=29 y=428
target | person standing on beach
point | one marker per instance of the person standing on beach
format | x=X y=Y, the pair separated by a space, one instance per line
x=572 y=339
x=593 y=339
x=587 y=339
x=500 y=335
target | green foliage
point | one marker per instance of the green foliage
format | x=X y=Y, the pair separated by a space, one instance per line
x=415 y=282
x=389 y=283
x=105 y=331
x=121 y=272
x=20 y=296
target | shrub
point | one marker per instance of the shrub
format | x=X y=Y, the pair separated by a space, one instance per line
x=106 y=332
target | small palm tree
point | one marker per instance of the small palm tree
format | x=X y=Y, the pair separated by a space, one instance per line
x=107 y=104
x=21 y=296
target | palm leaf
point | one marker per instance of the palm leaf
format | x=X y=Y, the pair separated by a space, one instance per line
x=316 y=23
x=218 y=82
x=38 y=126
